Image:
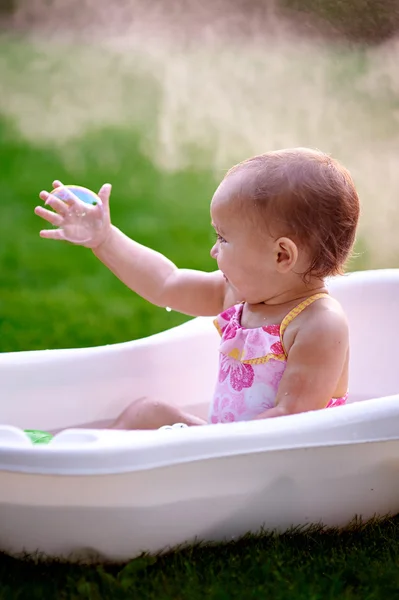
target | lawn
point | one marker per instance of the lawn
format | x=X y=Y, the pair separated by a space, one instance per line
x=361 y=564
x=55 y=295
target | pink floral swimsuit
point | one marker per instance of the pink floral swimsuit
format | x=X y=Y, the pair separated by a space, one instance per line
x=252 y=363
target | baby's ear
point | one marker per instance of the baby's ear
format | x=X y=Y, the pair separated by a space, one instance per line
x=286 y=254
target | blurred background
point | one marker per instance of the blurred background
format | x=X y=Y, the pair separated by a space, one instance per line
x=160 y=98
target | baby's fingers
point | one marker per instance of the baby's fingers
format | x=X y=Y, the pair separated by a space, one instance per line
x=49 y=216
x=53 y=234
x=64 y=193
x=58 y=205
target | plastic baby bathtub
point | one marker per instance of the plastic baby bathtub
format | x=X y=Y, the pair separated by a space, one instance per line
x=111 y=495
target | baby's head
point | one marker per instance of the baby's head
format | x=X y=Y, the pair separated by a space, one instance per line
x=285 y=220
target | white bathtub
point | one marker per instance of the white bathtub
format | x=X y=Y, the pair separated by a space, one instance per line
x=111 y=495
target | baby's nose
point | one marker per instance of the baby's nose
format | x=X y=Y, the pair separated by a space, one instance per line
x=214 y=250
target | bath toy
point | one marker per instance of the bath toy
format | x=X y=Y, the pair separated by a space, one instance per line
x=80 y=223
x=38 y=437
x=84 y=194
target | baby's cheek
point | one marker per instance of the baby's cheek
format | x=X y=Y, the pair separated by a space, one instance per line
x=222 y=254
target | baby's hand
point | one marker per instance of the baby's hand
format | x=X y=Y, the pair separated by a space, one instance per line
x=78 y=222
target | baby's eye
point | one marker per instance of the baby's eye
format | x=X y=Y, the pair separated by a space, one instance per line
x=220 y=238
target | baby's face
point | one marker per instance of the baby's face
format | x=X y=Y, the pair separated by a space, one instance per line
x=246 y=256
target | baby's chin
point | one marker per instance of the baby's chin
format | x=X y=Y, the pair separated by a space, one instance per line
x=241 y=295
x=238 y=295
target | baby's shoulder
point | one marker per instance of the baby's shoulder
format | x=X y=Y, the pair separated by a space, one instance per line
x=320 y=321
x=325 y=315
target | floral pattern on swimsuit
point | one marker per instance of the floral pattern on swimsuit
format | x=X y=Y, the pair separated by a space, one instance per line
x=251 y=365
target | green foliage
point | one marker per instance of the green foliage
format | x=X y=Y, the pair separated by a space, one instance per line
x=7 y=7
x=360 y=20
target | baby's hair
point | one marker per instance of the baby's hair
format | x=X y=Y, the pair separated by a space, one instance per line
x=308 y=196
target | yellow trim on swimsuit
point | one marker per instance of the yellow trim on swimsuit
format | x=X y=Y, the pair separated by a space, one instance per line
x=297 y=311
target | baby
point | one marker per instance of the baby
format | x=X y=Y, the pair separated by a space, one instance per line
x=284 y=221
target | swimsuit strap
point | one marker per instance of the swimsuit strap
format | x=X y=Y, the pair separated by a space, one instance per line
x=297 y=311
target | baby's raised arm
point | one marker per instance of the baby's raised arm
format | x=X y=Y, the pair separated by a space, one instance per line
x=158 y=280
x=143 y=270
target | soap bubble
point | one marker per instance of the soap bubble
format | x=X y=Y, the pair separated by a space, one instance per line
x=85 y=216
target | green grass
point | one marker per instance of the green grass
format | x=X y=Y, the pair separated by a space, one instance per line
x=361 y=563
x=55 y=295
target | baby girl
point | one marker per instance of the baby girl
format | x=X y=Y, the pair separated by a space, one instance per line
x=284 y=221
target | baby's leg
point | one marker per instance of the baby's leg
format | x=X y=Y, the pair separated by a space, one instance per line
x=146 y=413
